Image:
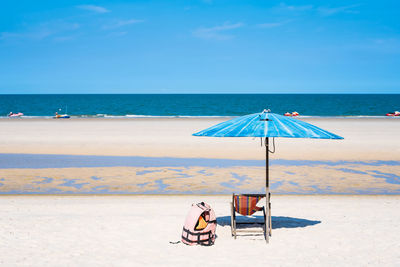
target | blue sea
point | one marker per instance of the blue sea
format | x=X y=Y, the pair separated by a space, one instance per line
x=182 y=105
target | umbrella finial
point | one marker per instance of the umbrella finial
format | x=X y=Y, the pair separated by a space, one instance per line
x=266 y=111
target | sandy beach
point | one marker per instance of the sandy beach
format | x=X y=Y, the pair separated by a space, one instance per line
x=160 y=156
x=365 y=139
x=140 y=176
x=136 y=230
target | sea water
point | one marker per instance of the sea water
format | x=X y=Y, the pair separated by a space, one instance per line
x=181 y=105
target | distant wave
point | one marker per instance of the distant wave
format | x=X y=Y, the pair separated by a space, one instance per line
x=117 y=116
x=107 y=116
x=176 y=116
x=349 y=117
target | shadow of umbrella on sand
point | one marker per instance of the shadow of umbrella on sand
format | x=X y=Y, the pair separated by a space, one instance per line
x=266 y=125
x=277 y=221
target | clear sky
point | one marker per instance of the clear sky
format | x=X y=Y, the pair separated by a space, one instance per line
x=209 y=46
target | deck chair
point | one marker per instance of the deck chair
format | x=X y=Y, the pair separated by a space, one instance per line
x=246 y=205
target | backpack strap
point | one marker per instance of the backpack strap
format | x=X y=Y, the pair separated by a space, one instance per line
x=203 y=242
x=202 y=206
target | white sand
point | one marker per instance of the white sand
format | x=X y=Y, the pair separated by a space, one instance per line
x=136 y=230
x=365 y=139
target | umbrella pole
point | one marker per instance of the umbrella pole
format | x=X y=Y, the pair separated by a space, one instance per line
x=267 y=226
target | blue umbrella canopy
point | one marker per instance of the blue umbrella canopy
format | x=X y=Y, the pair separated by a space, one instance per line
x=266 y=124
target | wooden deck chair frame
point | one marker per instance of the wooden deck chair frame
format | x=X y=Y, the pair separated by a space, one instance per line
x=234 y=222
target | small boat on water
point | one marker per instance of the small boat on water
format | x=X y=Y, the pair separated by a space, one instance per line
x=293 y=114
x=394 y=114
x=61 y=116
x=13 y=115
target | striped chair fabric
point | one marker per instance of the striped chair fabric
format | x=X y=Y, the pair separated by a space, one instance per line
x=247 y=204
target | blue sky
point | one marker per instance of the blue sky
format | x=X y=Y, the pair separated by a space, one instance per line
x=208 y=46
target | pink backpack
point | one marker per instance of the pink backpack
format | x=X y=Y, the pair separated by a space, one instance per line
x=200 y=225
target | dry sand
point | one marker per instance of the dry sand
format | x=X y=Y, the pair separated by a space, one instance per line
x=365 y=139
x=136 y=230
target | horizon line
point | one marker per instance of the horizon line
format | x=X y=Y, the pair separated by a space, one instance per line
x=368 y=93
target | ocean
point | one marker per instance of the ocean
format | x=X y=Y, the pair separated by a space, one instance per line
x=182 y=105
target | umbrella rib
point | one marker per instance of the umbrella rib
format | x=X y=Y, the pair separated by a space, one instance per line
x=276 y=128
x=297 y=124
x=316 y=131
x=289 y=132
x=255 y=117
x=241 y=119
x=215 y=127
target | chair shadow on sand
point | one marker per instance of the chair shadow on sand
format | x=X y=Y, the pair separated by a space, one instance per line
x=277 y=221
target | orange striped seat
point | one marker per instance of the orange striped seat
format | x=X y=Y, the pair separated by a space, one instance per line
x=247 y=204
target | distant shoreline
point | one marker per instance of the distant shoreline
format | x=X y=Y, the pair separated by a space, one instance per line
x=204 y=105
x=134 y=117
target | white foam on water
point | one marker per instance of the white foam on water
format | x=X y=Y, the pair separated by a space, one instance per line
x=88 y=116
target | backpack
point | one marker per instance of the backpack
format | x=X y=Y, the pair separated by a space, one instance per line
x=200 y=225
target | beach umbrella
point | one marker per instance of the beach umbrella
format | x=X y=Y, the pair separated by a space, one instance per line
x=266 y=125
